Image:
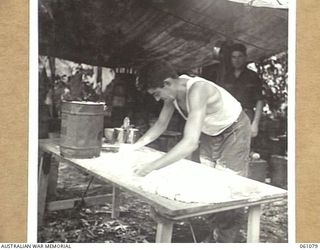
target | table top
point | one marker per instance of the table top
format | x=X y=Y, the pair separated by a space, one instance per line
x=106 y=168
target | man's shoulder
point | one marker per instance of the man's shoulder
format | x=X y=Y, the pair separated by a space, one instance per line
x=201 y=85
x=250 y=76
x=250 y=72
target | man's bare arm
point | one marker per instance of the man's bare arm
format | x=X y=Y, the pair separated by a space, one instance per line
x=198 y=98
x=256 y=118
x=159 y=127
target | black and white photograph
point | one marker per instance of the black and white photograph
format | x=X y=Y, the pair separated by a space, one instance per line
x=163 y=121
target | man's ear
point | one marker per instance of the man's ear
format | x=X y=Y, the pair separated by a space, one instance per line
x=167 y=82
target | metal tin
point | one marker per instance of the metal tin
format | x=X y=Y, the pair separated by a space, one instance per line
x=132 y=135
x=119 y=135
x=109 y=135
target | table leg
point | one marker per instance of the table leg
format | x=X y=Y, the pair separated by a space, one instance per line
x=115 y=203
x=53 y=180
x=44 y=172
x=164 y=232
x=253 y=232
x=164 y=227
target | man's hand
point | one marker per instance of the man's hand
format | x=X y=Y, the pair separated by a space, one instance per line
x=143 y=169
x=254 y=129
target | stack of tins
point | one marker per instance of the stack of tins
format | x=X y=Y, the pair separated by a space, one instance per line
x=81 y=129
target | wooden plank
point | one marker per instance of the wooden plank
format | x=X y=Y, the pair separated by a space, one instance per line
x=40 y=168
x=253 y=232
x=219 y=209
x=115 y=203
x=42 y=187
x=70 y=203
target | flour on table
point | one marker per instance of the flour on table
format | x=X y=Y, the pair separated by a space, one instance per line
x=196 y=183
x=183 y=181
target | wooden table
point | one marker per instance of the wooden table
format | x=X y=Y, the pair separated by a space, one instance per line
x=169 y=210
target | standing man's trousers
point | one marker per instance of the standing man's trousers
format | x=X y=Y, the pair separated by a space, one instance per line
x=230 y=149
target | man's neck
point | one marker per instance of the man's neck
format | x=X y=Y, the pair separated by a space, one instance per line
x=237 y=72
x=181 y=88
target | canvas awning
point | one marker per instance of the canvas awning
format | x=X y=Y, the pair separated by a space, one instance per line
x=125 y=33
x=279 y=4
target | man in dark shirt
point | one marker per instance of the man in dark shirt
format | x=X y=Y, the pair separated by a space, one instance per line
x=245 y=85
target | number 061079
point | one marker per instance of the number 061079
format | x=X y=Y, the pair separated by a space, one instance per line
x=308 y=245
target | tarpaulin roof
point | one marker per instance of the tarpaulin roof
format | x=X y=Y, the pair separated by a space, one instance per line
x=125 y=33
x=282 y=4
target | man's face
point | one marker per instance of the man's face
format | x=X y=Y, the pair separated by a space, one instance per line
x=64 y=79
x=238 y=59
x=164 y=93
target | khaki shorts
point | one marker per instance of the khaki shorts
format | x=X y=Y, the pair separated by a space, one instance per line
x=231 y=148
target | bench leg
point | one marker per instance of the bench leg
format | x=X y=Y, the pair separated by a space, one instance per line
x=164 y=232
x=53 y=181
x=253 y=232
x=164 y=227
x=43 y=177
x=115 y=203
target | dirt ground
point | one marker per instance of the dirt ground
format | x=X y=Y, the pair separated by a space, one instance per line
x=94 y=224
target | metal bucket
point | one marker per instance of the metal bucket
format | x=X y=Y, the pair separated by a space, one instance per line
x=81 y=129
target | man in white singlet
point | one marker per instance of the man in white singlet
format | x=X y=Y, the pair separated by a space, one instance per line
x=214 y=118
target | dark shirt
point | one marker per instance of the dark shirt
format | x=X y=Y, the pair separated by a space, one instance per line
x=247 y=88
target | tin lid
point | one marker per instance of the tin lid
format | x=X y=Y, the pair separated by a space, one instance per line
x=86 y=102
x=133 y=129
x=119 y=129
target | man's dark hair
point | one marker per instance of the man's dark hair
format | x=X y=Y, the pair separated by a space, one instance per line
x=152 y=74
x=239 y=47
